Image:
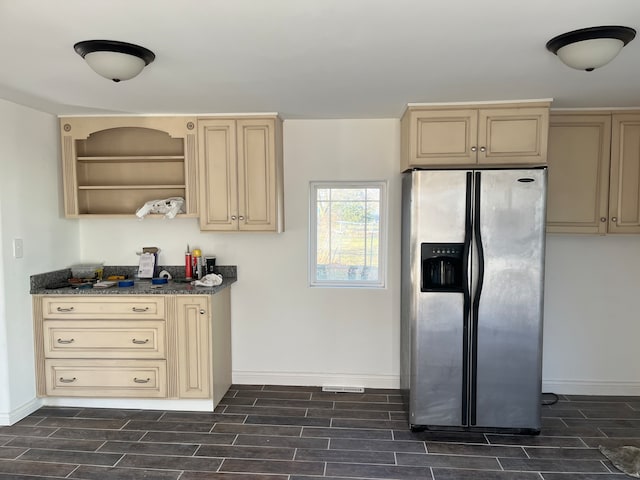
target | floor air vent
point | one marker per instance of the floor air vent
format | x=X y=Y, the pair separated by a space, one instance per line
x=335 y=389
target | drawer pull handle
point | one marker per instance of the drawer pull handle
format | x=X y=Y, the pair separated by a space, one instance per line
x=62 y=309
x=141 y=380
x=140 y=342
x=67 y=380
x=136 y=309
x=71 y=340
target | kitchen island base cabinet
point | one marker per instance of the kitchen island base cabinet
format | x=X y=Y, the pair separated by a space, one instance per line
x=121 y=346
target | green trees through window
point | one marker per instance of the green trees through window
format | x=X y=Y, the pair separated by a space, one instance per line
x=346 y=234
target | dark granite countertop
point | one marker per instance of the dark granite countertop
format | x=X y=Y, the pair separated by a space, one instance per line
x=41 y=283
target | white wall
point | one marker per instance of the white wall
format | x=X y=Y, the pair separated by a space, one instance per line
x=30 y=209
x=592 y=320
x=284 y=331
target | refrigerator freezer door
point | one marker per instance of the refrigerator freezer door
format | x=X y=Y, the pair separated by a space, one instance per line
x=509 y=317
x=435 y=318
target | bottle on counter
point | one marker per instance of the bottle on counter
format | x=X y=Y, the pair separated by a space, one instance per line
x=188 y=264
x=197 y=263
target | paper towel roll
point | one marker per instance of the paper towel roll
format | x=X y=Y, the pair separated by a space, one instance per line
x=165 y=274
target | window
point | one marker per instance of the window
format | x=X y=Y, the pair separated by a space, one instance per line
x=347 y=238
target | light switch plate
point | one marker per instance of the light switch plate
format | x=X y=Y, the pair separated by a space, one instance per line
x=18 y=250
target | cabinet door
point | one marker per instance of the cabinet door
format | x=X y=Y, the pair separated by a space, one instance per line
x=218 y=174
x=513 y=136
x=194 y=353
x=442 y=138
x=578 y=158
x=624 y=190
x=257 y=175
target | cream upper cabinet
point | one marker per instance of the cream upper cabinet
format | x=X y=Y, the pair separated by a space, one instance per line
x=594 y=173
x=624 y=194
x=241 y=176
x=113 y=165
x=489 y=136
x=578 y=179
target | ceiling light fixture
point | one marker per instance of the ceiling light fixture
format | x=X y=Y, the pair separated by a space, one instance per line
x=590 y=48
x=114 y=60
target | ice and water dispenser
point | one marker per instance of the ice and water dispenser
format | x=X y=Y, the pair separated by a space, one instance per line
x=442 y=267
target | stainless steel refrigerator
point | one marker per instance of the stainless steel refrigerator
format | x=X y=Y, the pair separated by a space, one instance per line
x=472 y=293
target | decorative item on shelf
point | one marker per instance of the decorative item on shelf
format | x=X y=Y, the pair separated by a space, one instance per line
x=590 y=48
x=113 y=59
x=170 y=207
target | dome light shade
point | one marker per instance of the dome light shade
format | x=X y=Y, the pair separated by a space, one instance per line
x=590 y=48
x=114 y=60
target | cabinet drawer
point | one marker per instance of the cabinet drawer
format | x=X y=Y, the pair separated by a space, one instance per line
x=106 y=378
x=104 y=339
x=103 y=306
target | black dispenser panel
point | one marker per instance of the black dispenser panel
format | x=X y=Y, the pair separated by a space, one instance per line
x=442 y=267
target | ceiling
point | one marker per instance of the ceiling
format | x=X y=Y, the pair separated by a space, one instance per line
x=310 y=58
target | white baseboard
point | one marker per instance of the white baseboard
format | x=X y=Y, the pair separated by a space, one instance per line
x=14 y=416
x=134 y=403
x=561 y=386
x=590 y=387
x=316 y=379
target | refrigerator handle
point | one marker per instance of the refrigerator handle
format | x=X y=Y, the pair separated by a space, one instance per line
x=468 y=229
x=476 y=298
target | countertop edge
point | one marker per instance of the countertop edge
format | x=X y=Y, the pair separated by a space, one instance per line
x=40 y=282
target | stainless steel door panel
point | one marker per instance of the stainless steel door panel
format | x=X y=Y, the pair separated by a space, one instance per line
x=438 y=206
x=509 y=320
x=436 y=390
x=437 y=215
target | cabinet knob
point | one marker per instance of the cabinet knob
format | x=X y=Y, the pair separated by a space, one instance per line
x=139 y=310
x=140 y=342
x=233 y=217
x=67 y=380
x=240 y=217
x=603 y=219
x=60 y=340
x=483 y=149
x=474 y=149
x=614 y=219
x=203 y=311
x=141 y=380
x=62 y=309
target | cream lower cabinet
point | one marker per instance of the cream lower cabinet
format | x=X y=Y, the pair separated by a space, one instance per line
x=494 y=135
x=594 y=173
x=154 y=346
x=241 y=176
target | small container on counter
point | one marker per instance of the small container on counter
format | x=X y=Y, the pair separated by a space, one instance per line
x=197 y=263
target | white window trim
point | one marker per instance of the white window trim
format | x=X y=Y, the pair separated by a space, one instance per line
x=382 y=254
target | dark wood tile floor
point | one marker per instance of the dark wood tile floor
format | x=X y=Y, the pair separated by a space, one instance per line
x=297 y=433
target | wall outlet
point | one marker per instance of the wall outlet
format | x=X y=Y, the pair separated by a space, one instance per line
x=18 y=249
